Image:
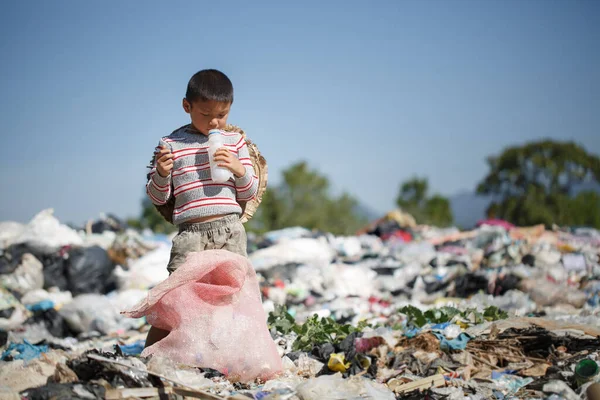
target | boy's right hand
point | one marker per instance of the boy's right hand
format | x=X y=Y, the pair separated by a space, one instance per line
x=164 y=161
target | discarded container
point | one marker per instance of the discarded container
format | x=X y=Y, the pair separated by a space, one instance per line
x=585 y=371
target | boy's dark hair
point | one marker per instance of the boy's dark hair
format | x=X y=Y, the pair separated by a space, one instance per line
x=209 y=84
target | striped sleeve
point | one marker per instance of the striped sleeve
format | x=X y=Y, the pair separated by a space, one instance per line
x=247 y=185
x=158 y=187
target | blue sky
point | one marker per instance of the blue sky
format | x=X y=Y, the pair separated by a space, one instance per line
x=370 y=93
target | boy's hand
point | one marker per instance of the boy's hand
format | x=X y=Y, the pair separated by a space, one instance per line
x=226 y=159
x=164 y=161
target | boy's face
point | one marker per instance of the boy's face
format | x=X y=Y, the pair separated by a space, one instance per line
x=207 y=115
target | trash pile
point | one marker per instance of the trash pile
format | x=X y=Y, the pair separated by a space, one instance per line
x=399 y=311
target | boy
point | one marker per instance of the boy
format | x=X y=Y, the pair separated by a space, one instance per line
x=206 y=213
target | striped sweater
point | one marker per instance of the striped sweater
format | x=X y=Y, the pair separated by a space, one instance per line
x=196 y=195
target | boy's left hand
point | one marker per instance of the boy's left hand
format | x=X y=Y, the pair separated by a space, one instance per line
x=227 y=159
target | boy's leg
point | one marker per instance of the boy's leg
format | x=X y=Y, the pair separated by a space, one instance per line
x=237 y=242
x=155 y=335
x=183 y=243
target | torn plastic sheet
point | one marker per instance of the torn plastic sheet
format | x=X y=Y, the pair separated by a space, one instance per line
x=24 y=351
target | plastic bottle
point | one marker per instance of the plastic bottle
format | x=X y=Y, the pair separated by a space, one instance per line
x=586 y=370
x=215 y=142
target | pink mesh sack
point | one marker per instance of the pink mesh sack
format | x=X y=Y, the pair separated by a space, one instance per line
x=212 y=307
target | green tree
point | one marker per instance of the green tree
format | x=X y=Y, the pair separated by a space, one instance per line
x=303 y=199
x=536 y=183
x=413 y=193
x=413 y=198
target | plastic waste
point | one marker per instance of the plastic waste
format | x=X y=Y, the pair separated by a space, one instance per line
x=107 y=223
x=132 y=349
x=145 y=272
x=406 y=274
x=562 y=389
x=10 y=259
x=192 y=377
x=104 y=239
x=336 y=387
x=56 y=270
x=458 y=343
x=47 y=322
x=28 y=276
x=510 y=384
x=347 y=246
x=57 y=297
x=452 y=331
x=214 y=292
x=88 y=391
x=585 y=371
x=337 y=362
x=12 y=312
x=316 y=252
x=352 y=280
x=546 y=293
x=24 y=351
x=91 y=312
x=454 y=393
x=215 y=142
x=127 y=298
x=41 y=306
x=130 y=371
x=90 y=270
x=45 y=232
x=574 y=262
x=416 y=252
x=9 y=231
x=308 y=366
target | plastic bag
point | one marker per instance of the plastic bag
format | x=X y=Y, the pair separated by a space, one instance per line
x=145 y=272
x=297 y=251
x=546 y=293
x=212 y=307
x=27 y=277
x=90 y=270
x=55 y=270
x=329 y=387
x=9 y=231
x=91 y=312
x=57 y=297
x=12 y=311
x=347 y=246
x=46 y=232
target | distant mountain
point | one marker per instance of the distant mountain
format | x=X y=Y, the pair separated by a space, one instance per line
x=367 y=213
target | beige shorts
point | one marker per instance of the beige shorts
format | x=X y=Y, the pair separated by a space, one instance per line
x=226 y=233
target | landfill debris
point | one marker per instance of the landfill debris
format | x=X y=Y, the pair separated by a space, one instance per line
x=26 y=277
x=425 y=383
x=47 y=233
x=585 y=371
x=23 y=351
x=398 y=311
